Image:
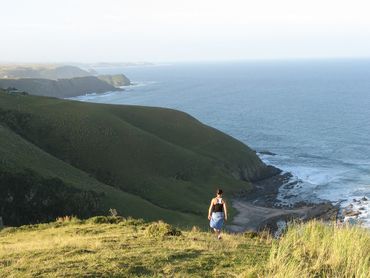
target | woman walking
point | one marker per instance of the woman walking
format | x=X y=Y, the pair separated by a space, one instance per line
x=217 y=212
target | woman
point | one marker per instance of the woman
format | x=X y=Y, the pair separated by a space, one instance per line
x=217 y=213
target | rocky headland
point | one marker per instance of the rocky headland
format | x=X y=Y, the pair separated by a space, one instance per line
x=60 y=81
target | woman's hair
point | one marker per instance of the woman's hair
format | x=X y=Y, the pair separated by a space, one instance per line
x=219 y=191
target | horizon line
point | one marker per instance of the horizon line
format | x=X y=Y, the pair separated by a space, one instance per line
x=143 y=62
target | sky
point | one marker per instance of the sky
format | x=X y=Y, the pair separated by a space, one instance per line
x=188 y=30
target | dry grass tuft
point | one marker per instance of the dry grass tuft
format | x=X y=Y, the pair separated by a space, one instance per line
x=316 y=249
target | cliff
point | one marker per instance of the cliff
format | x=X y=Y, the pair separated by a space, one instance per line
x=115 y=80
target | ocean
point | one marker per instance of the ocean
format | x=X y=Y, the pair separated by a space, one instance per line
x=313 y=116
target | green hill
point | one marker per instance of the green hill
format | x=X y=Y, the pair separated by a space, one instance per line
x=18 y=157
x=118 y=247
x=148 y=162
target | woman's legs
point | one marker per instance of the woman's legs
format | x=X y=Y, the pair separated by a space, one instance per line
x=216 y=223
x=218 y=232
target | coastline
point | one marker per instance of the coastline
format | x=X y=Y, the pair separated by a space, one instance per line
x=326 y=165
x=259 y=209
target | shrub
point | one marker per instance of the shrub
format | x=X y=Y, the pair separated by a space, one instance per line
x=161 y=229
x=105 y=220
x=195 y=229
x=68 y=219
x=250 y=234
x=133 y=221
x=113 y=212
x=8 y=230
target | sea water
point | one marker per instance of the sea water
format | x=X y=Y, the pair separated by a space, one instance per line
x=313 y=115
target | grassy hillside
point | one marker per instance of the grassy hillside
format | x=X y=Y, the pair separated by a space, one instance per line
x=17 y=155
x=59 y=88
x=115 y=247
x=149 y=162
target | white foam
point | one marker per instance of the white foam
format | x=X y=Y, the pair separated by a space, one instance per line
x=92 y=96
x=314 y=184
x=315 y=175
x=362 y=206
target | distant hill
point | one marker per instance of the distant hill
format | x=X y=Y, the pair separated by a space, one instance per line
x=42 y=71
x=59 y=88
x=116 y=64
x=58 y=81
x=147 y=162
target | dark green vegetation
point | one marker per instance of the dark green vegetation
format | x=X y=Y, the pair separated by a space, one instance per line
x=148 y=162
x=27 y=197
x=116 y=80
x=59 y=88
x=126 y=247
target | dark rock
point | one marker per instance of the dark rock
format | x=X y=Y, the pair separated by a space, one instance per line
x=324 y=211
x=262 y=174
x=352 y=221
x=351 y=213
x=267 y=153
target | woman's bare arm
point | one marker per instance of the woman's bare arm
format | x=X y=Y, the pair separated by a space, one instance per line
x=210 y=210
x=225 y=210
